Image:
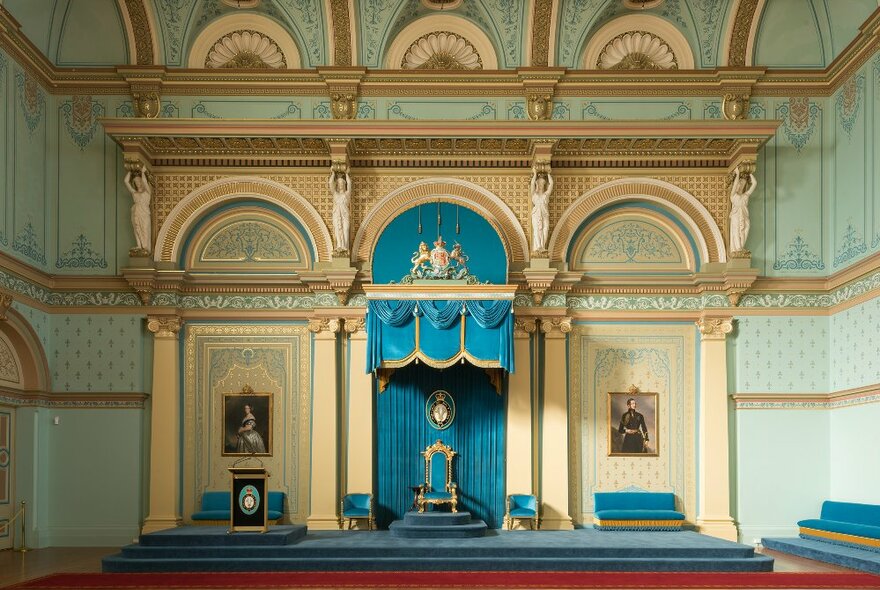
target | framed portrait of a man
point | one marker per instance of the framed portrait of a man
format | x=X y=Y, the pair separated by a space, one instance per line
x=632 y=423
x=247 y=423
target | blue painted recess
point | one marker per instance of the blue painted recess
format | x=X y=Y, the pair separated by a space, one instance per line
x=400 y=239
x=577 y=550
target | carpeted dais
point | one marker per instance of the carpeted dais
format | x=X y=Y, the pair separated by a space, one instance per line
x=562 y=580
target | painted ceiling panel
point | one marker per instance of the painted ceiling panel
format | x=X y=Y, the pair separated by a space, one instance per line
x=35 y=17
x=789 y=35
x=92 y=33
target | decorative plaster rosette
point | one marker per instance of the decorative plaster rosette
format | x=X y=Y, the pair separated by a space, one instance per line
x=637 y=51
x=442 y=51
x=245 y=49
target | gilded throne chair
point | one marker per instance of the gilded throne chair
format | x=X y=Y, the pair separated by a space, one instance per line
x=438 y=487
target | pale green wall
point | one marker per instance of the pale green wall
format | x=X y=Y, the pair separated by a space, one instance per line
x=781 y=354
x=854 y=454
x=63 y=206
x=796 y=355
x=855 y=336
x=95 y=475
x=782 y=470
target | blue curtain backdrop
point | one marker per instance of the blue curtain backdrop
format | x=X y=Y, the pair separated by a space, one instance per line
x=476 y=434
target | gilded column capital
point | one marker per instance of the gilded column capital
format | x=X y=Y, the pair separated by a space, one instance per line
x=164 y=326
x=329 y=325
x=715 y=328
x=556 y=327
x=524 y=327
x=354 y=325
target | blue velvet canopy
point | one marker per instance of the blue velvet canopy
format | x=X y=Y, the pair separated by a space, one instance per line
x=440 y=332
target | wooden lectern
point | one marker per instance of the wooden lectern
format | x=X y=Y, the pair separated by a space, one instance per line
x=250 y=500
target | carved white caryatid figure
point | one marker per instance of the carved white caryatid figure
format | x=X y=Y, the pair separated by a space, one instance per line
x=340 y=188
x=141 y=195
x=540 y=188
x=742 y=188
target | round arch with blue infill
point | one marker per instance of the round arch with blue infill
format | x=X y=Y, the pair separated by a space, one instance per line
x=400 y=240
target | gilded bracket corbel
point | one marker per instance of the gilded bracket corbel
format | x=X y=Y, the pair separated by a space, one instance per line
x=145 y=87
x=539 y=86
x=736 y=92
x=343 y=88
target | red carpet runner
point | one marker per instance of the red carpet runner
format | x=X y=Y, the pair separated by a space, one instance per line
x=400 y=580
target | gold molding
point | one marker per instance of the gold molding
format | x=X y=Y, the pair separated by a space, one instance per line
x=808 y=398
x=340 y=24
x=143 y=36
x=742 y=26
x=541 y=21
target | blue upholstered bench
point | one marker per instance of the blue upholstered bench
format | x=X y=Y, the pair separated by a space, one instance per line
x=216 y=506
x=845 y=523
x=636 y=511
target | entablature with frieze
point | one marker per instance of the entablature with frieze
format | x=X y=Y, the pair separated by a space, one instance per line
x=259 y=142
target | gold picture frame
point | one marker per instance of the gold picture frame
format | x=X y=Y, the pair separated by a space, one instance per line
x=247 y=423
x=633 y=433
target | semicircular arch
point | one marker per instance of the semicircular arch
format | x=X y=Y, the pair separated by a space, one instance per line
x=452 y=190
x=195 y=205
x=677 y=201
x=25 y=353
x=434 y=23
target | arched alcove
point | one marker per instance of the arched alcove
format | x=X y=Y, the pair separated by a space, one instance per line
x=675 y=203
x=192 y=208
x=634 y=238
x=247 y=236
x=23 y=363
x=451 y=190
x=458 y=223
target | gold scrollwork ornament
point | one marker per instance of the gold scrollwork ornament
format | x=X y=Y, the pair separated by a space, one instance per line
x=146 y=104
x=344 y=105
x=735 y=106
x=540 y=107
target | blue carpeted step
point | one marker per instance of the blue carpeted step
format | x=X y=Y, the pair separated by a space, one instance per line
x=200 y=536
x=859 y=559
x=436 y=518
x=758 y=563
x=474 y=528
x=306 y=550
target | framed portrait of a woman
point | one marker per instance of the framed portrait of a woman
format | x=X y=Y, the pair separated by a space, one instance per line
x=247 y=423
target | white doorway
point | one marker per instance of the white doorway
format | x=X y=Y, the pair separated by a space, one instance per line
x=7 y=471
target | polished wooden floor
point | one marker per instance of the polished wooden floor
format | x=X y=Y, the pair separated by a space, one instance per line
x=17 y=567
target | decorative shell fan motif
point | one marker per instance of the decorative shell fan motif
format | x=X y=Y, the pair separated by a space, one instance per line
x=245 y=49
x=637 y=51
x=442 y=51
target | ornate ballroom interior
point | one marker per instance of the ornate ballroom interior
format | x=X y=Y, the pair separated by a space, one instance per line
x=674 y=199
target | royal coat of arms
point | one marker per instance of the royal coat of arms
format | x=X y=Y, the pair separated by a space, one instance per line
x=439 y=263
